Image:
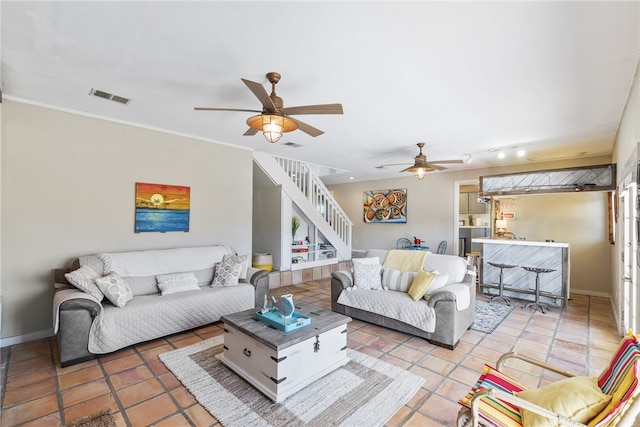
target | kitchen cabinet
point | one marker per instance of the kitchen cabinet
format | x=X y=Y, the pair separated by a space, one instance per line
x=468 y=204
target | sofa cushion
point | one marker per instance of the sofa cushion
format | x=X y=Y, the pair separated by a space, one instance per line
x=243 y=260
x=177 y=282
x=439 y=281
x=454 y=266
x=367 y=276
x=115 y=289
x=84 y=279
x=227 y=273
x=420 y=284
x=396 y=280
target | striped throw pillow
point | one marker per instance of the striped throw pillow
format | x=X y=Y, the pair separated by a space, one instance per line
x=396 y=280
x=493 y=410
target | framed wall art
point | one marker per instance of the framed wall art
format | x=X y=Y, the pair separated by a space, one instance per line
x=385 y=206
x=162 y=208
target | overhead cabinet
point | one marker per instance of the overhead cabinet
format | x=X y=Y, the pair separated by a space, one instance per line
x=469 y=204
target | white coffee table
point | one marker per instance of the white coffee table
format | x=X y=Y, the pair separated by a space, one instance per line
x=281 y=363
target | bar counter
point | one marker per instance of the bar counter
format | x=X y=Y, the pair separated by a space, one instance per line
x=519 y=283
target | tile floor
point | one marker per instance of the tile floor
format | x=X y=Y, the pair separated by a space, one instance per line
x=140 y=391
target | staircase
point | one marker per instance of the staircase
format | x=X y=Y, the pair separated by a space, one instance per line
x=311 y=197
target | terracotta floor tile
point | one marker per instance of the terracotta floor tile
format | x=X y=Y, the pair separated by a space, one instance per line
x=29 y=411
x=130 y=376
x=139 y=392
x=32 y=377
x=82 y=376
x=51 y=420
x=122 y=364
x=200 y=416
x=406 y=353
x=151 y=411
x=16 y=396
x=91 y=406
x=84 y=392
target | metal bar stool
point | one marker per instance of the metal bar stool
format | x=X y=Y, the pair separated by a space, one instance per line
x=537 y=304
x=500 y=296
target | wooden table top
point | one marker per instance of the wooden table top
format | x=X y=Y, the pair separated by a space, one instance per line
x=321 y=321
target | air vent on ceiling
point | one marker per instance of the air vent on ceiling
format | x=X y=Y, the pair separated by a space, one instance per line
x=292 y=144
x=109 y=96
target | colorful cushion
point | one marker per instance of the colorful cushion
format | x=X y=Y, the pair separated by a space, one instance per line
x=177 y=282
x=578 y=398
x=420 y=284
x=495 y=410
x=84 y=279
x=622 y=397
x=367 y=276
x=115 y=289
x=396 y=280
x=621 y=361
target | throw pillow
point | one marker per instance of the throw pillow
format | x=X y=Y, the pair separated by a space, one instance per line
x=438 y=282
x=420 y=284
x=227 y=273
x=115 y=289
x=371 y=260
x=578 y=398
x=177 y=282
x=84 y=279
x=244 y=263
x=367 y=276
x=396 y=280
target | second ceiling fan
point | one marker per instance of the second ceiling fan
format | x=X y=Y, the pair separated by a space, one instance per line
x=274 y=119
x=420 y=165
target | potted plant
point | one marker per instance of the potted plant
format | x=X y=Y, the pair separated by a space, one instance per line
x=295 y=224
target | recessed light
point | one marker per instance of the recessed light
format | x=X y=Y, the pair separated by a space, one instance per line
x=351 y=177
x=521 y=153
x=501 y=155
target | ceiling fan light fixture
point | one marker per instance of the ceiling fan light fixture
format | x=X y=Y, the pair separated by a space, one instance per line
x=272 y=126
x=419 y=171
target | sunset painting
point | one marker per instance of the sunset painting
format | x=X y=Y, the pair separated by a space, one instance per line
x=162 y=208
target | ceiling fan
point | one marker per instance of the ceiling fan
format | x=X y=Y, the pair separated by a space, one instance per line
x=421 y=166
x=274 y=119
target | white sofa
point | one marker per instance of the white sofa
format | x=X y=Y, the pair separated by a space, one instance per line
x=87 y=325
x=441 y=317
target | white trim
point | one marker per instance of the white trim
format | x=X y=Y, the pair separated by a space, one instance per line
x=19 y=339
x=123 y=122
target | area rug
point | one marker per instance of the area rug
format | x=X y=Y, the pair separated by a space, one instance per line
x=489 y=316
x=364 y=392
x=100 y=419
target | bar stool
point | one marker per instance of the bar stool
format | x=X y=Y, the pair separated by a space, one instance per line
x=500 y=282
x=537 y=304
x=473 y=258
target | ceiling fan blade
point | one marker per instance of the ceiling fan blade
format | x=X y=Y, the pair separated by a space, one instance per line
x=308 y=129
x=314 y=109
x=250 y=132
x=260 y=93
x=392 y=164
x=446 y=161
x=436 y=166
x=225 y=109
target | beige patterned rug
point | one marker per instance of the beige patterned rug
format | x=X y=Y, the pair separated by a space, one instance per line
x=364 y=392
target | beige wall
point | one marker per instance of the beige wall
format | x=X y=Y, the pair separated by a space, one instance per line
x=68 y=189
x=431 y=216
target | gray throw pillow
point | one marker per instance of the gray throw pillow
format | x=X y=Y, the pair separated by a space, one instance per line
x=367 y=276
x=84 y=279
x=115 y=289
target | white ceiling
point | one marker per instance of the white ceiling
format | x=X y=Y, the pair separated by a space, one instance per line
x=467 y=78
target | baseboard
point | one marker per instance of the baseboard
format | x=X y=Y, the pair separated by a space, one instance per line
x=19 y=339
x=591 y=293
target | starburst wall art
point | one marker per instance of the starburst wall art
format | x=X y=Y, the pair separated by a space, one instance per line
x=162 y=208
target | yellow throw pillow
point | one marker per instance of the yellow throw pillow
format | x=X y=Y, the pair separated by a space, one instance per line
x=420 y=284
x=578 y=398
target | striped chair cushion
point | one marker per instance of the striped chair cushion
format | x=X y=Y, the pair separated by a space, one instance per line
x=493 y=410
x=621 y=379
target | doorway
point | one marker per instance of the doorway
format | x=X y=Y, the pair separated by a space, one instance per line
x=628 y=292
